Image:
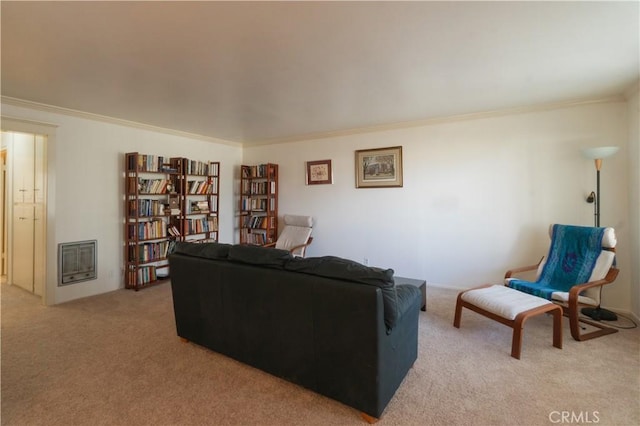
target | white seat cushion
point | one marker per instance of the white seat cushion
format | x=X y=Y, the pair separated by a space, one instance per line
x=564 y=297
x=292 y=236
x=503 y=301
x=297 y=230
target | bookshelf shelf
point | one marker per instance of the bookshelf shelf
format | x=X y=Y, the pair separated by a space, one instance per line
x=158 y=212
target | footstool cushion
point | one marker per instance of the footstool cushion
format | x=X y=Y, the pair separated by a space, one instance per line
x=503 y=301
x=510 y=307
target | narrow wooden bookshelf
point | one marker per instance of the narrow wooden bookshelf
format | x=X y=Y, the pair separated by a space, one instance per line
x=199 y=195
x=258 y=210
x=166 y=200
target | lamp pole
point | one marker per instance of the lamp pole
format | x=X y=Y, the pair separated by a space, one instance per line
x=598 y=162
x=597 y=154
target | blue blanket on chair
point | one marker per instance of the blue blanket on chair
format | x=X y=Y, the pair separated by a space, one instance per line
x=572 y=257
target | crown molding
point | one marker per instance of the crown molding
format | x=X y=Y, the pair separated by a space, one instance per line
x=111 y=120
x=330 y=134
x=439 y=120
x=16 y=121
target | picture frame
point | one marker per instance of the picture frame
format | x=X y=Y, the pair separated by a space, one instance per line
x=379 y=167
x=319 y=172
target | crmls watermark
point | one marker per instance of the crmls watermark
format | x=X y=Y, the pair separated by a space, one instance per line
x=574 y=417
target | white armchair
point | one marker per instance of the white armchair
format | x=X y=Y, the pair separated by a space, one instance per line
x=295 y=236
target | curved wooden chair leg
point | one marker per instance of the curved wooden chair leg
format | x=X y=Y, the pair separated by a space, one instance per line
x=458 y=313
x=557 y=327
x=573 y=313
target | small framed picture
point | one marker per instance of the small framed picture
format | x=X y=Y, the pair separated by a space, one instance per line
x=319 y=172
x=379 y=168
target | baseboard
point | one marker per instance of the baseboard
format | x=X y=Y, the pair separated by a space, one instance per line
x=446 y=287
x=623 y=313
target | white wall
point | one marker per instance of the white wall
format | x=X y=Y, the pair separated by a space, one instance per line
x=478 y=195
x=86 y=187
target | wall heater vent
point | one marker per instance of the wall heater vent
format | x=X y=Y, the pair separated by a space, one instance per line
x=76 y=262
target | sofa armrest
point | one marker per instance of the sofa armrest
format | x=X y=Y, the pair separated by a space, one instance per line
x=408 y=296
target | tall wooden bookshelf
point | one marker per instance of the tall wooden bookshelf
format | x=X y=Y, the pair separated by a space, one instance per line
x=166 y=200
x=150 y=183
x=258 y=217
x=199 y=200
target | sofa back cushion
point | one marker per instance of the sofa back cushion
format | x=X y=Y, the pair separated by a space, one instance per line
x=205 y=250
x=348 y=270
x=259 y=256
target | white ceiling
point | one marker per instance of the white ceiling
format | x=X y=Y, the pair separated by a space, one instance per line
x=256 y=71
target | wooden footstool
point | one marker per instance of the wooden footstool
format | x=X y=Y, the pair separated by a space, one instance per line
x=509 y=307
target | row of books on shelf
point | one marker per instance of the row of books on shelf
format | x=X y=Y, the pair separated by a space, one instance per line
x=259 y=222
x=146 y=208
x=201 y=186
x=148 y=230
x=259 y=238
x=194 y=167
x=258 y=188
x=199 y=226
x=142 y=275
x=150 y=252
x=147 y=186
x=152 y=163
x=259 y=171
x=257 y=204
x=198 y=207
x=149 y=208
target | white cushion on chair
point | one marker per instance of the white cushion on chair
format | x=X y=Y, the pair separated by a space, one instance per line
x=293 y=236
x=608 y=239
x=304 y=221
x=564 y=297
x=297 y=230
x=603 y=264
x=503 y=301
x=590 y=296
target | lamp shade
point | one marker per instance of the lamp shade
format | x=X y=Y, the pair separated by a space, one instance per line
x=600 y=152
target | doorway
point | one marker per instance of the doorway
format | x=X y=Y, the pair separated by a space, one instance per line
x=24 y=210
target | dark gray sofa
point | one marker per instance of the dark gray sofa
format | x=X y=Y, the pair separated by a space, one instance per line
x=334 y=326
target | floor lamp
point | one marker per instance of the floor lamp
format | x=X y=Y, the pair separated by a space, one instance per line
x=597 y=154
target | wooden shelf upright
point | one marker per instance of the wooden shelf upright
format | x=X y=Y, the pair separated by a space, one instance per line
x=258 y=210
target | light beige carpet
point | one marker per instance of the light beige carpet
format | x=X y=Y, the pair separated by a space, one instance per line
x=115 y=359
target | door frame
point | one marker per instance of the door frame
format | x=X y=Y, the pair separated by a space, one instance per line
x=48 y=130
x=4 y=267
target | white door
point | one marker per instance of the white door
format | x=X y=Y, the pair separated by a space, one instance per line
x=28 y=225
x=23 y=246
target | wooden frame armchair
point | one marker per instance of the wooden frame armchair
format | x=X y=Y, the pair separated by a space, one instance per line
x=295 y=236
x=579 y=294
